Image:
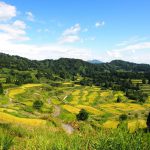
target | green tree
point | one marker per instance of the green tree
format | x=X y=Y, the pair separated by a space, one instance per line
x=144 y=81
x=37 y=104
x=123 y=117
x=1 y=88
x=119 y=99
x=8 y=79
x=137 y=86
x=148 y=122
x=83 y=115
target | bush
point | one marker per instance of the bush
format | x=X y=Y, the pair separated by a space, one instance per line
x=123 y=117
x=148 y=121
x=119 y=99
x=83 y=115
x=1 y=89
x=37 y=104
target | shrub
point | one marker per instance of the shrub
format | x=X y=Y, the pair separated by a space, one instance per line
x=119 y=99
x=123 y=117
x=37 y=104
x=148 y=121
x=83 y=115
x=1 y=89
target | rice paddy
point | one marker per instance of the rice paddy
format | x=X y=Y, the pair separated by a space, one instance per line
x=7 y=118
x=15 y=91
x=111 y=124
x=71 y=99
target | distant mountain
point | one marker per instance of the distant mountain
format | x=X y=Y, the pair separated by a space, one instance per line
x=129 y=66
x=95 y=61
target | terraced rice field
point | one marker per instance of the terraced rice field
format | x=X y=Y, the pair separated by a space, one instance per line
x=15 y=91
x=71 y=99
x=111 y=124
x=135 y=124
x=7 y=118
x=135 y=81
x=145 y=88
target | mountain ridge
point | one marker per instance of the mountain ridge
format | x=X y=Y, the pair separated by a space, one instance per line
x=21 y=63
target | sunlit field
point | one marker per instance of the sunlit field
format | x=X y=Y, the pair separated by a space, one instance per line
x=61 y=105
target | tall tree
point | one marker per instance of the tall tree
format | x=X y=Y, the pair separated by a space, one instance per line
x=148 y=122
x=1 y=88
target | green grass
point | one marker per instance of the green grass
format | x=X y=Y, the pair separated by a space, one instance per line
x=16 y=137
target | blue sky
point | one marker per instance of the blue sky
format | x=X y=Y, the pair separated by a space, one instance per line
x=85 y=29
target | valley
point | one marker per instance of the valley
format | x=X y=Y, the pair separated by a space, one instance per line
x=39 y=109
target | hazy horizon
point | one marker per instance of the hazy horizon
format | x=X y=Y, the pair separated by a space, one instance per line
x=86 y=30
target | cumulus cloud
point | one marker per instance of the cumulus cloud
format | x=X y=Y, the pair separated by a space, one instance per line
x=69 y=39
x=138 y=52
x=73 y=30
x=132 y=40
x=30 y=16
x=40 y=52
x=71 y=35
x=13 y=32
x=7 y=11
x=99 y=24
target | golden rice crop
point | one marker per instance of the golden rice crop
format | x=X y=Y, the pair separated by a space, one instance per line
x=84 y=94
x=90 y=109
x=12 y=119
x=111 y=124
x=71 y=109
x=30 y=85
x=136 y=124
x=122 y=106
x=92 y=96
x=13 y=92
x=7 y=109
x=75 y=100
x=76 y=92
x=105 y=93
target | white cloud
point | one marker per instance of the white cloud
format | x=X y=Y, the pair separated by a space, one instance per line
x=73 y=30
x=138 y=52
x=132 y=40
x=70 y=35
x=69 y=39
x=30 y=16
x=99 y=24
x=7 y=11
x=40 y=52
x=19 y=24
x=14 y=31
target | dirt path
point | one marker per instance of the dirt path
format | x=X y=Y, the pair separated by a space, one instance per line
x=57 y=111
x=68 y=128
x=6 y=93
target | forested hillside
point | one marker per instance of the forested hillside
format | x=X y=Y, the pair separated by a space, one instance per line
x=117 y=74
x=72 y=66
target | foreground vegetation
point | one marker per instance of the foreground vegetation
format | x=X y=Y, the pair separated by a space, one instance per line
x=86 y=138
